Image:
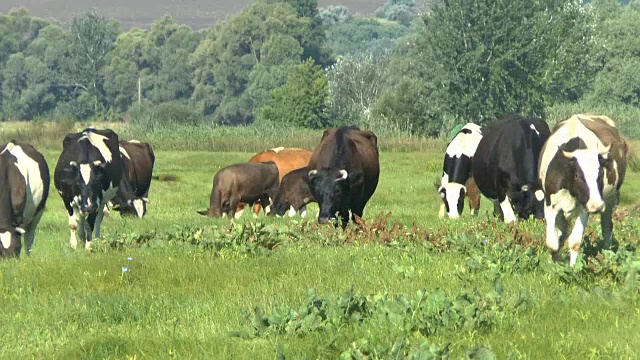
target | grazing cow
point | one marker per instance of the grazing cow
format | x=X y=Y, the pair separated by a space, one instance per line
x=245 y=182
x=456 y=173
x=24 y=188
x=294 y=194
x=87 y=176
x=505 y=166
x=344 y=172
x=137 y=161
x=286 y=159
x=582 y=168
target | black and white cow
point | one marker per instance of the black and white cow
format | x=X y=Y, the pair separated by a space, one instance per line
x=505 y=166
x=87 y=176
x=456 y=170
x=24 y=188
x=582 y=168
x=137 y=165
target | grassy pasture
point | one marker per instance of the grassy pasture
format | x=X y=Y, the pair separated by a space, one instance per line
x=181 y=300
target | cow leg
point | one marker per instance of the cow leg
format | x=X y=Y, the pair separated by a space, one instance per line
x=575 y=238
x=238 y=213
x=606 y=225
x=497 y=211
x=292 y=211
x=303 y=210
x=233 y=205
x=257 y=207
x=344 y=217
x=266 y=204
x=507 y=210
x=73 y=227
x=30 y=233
x=93 y=223
x=553 y=231
x=442 y=210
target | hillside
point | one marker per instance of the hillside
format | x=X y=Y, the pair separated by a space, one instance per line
x=195 y=13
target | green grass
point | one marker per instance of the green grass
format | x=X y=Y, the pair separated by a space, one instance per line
x=182 y=300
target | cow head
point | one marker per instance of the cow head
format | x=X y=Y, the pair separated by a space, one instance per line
x=586 y=176
x=87 y=181
x=527 y=201
x=133 y=207
x=331 y=188
x=452 y=195
x=10 y=240
x=280 y=204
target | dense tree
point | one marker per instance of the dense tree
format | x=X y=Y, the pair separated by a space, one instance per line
x=364 y=35
x=355 y=83
x=486 y=64
x=618 y=54
x=302 y=101
x=402 y=11
x=264 y=33
x=334 y=14
x=92 y=37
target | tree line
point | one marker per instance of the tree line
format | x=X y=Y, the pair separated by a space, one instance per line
x=288 y=63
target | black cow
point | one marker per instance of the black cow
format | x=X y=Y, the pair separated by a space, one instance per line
x=294 y=194
x=87 y=176
x=505 y=166
x=344 y=172
x=456 y=172
x=245 y=182
x=137 y=161
x=24 y=188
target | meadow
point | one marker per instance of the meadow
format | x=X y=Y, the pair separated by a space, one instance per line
x=404 y=284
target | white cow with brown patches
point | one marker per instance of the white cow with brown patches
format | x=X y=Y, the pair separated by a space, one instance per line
x=581 y=170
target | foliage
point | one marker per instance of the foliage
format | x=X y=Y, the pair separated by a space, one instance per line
x=302 y=101
x=402 y=11
x=355 y=83
x=359 y=36
x=334 y=14
x=486 y=65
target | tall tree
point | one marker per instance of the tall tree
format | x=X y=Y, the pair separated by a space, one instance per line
x=487 y=64
x=92 y=37
x=263 y=34
x=302 y=101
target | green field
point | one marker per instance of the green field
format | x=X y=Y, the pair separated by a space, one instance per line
x=193 y=283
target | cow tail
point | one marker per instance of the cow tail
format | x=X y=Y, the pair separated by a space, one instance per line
x=215 y=205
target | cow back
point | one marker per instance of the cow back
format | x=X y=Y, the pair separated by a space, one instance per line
x=286 y=159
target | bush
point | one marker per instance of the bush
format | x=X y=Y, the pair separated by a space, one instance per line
x=166 y=115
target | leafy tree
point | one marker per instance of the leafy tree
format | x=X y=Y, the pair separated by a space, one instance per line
x=262 y=34
x=484 y=64
x=360 y=35
x=355 y=83
x=334 y=14
x=618 y=53
x=92 y=37
x=26 y=87
x=302 y=101
x=402 y=11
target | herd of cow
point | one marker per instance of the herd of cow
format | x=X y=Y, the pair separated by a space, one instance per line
x=518 y=163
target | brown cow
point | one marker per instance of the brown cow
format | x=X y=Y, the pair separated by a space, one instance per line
x=344 y=172
x=286 y=159
x=244 y=182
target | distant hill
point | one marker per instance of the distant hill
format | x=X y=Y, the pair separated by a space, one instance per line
x=195 y=13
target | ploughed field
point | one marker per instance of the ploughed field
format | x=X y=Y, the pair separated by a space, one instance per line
x=177 y=284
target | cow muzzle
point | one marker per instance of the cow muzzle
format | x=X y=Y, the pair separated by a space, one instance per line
x=595 y=207
x=325 y=219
